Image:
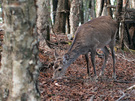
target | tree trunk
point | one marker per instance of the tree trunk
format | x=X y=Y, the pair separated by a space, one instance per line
x=132 y=2
x=86 y=9
x=82 y=12
x=132 y=36
x=99 y=6
x=55 y=3
x=93 y=14
x=60 y=19
x=119 y=10
x=74 y=15
x=67 y=18
x=43 y=22
x=19 y=71
x=109 y=10
x=104 y=12
x=119 y=7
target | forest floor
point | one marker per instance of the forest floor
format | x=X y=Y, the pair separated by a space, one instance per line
x=77 y=87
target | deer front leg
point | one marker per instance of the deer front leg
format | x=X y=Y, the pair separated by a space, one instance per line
x=88 y=67
x=113 y=57
x=106 y=52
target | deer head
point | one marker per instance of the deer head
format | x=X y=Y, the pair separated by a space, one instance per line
x=60 y=65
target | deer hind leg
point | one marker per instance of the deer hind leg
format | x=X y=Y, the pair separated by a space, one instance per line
x=88 y=67
x=113 y=57
x=106 y=52
x=93 y=53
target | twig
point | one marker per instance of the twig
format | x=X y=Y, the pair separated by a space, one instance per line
x=132 y=87
x=121 y=81
x=128 y=48
x=130 y=60
x=91 y=98
x=121 y=96
x=123 y=92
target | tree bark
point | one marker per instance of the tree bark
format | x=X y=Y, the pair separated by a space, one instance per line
x=82 y=12
x=86 y=9
x=119 y=7
x=60 y=19
x=132 y=3
x=67 y=18
x=43 y=22
x=55 y=3
x=93 y=14
x=74 y=16
x=19 y=71
x=109 y=10
x=99 y=6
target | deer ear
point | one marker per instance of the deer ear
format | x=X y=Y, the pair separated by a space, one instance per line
x=65 y=58
x=56 y=55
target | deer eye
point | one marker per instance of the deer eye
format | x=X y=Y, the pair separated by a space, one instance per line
x=64 y=62
x=59 y=69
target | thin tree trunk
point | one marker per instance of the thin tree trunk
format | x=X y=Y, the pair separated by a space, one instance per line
x=74 y=16
x=60 y=19
x=99 y=6
x=93 y=14
x=119 y=10
x=19 y=71
x=109 y=10
x=132 y=2
x=67 y=18
x=119 y=7
x=104 y=12
x=82 y=12
x=86 y=9
x=55 y=3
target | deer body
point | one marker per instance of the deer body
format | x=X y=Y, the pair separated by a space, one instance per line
x=90 y=36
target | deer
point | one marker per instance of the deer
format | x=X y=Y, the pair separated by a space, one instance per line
x=95 y=34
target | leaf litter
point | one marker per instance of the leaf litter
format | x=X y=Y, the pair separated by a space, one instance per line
x=75 y=86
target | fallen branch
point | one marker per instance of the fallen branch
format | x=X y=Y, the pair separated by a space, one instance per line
x=132 y=87
x=128 y=49
x=123 y=57
x=121 y=81
x=123 y=95
x=91 y=98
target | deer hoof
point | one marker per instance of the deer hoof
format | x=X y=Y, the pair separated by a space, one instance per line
x=114 y=76
x=95 y=79
x=101 y=74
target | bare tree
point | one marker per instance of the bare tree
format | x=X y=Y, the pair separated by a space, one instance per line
x=19 y=71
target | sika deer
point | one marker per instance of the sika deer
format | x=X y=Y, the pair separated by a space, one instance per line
x=90 y=36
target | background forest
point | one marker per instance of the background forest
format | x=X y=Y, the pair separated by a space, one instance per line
x=32 y=30
x=66 y=15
